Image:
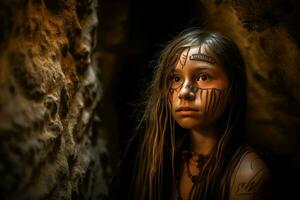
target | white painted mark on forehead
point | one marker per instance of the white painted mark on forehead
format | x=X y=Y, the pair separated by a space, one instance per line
x=199 y=55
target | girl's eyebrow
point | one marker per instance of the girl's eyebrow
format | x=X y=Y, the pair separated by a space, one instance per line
x=204 y=66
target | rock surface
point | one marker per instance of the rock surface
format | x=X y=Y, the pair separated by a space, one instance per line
x=50 y=142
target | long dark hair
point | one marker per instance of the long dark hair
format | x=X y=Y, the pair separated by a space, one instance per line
x=155 y=176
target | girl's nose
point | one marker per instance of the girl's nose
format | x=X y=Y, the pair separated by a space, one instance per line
x=187 y=92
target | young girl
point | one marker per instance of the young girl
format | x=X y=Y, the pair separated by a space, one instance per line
x=192 y=145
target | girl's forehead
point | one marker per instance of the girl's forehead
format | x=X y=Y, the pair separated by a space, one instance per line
x=194 y=50
x=198 y=48
x=197 y=53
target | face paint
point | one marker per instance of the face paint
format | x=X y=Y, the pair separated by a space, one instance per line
x=198 y=88
x=183 y=58
x=212 y=99
x=202 y=57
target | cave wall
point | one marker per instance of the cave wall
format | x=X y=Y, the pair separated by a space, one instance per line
x=50 y=132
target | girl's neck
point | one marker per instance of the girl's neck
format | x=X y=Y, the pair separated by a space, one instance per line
x=203 y=141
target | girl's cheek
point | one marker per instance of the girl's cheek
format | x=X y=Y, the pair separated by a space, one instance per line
x=212 y=102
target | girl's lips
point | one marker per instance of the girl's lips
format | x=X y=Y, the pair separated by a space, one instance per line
x=186 y=109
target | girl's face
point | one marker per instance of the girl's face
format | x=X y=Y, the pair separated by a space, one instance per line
x=198 y=88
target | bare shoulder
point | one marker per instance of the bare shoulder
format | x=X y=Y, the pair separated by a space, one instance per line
x=251 y=179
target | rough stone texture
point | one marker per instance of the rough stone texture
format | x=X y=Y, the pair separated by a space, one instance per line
x=50 y=140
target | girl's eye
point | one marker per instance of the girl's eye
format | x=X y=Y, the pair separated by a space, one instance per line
x=204 y=77
x=176 y=79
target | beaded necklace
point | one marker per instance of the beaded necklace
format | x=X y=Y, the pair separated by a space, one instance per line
x=195 y=159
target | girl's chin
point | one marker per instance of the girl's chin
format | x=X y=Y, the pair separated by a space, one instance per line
x=193 y=123
x=187 y=123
